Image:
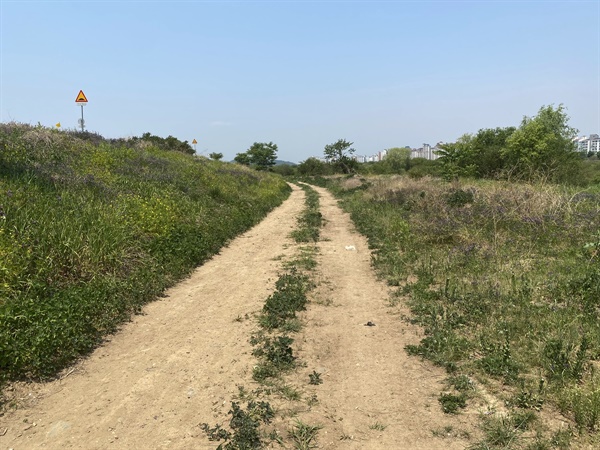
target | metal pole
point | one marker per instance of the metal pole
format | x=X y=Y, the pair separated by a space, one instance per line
x=82 y=118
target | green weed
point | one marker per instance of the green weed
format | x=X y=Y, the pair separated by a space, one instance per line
x=277 y=351
x=311 y=219
x=304 y=436
x=378 y=426
x=451 y=403
x=315 y=378
x=289 y=297
x=244 y=425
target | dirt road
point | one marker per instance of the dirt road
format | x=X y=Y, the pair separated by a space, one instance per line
x=179 y=364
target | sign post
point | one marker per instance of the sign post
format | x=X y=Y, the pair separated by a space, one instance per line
x=194 y=142
x=82 y=100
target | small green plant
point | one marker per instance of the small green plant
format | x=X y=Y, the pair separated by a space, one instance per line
x=312 y=400
x=264 y=371
x=497 y=360
x=289 y=393
x=289 y=297
x=459 y=198
x=499 y=432
x=584 y=402
x=378 y=426
x=304 y=436
x=563 y=362
x=244 y=425
x=529 y=400
x=315 y=378
x=277 y=351
x=450 y=431
x=561 y=439
x=451 y=403
x=523 y=419
x=461 y=383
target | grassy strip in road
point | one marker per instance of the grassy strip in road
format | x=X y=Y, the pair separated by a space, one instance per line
x=273 y=349
x=311 y=220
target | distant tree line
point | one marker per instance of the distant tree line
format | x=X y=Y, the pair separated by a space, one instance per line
x=540 y=148
x=168 y=143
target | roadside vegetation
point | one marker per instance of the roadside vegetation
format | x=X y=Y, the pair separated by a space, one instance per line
x=91 y=229
x=252 y=427
x=495 y=247
x=504 y=278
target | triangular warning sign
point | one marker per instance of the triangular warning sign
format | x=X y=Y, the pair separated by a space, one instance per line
x=81 y=98
x=194 y=142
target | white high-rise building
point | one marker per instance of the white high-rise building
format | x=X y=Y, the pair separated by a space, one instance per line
x=588 y=144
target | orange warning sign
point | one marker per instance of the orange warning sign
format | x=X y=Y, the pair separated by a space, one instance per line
x=194 y=141
x=81 y=98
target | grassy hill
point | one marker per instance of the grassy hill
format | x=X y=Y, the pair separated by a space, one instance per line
x=90 y=230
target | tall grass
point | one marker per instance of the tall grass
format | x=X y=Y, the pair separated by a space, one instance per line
x=504 y=278
x=89 y=232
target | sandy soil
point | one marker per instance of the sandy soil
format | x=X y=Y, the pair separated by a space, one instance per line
x=179 y=363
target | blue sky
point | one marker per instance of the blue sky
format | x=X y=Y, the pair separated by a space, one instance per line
x=299 y=73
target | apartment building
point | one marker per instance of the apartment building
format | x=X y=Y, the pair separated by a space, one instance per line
x=427 y=151
x=588 y=144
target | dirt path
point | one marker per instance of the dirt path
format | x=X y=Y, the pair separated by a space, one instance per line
x=179 y=363
x=373 y=396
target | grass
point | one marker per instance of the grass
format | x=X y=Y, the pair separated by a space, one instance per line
x=378 y=426
x=90 y=231
x=452 y=403
x=304 y=436
x=245 y=426
x=311 y=219
x=504 y=279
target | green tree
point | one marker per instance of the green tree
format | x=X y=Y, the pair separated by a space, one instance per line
x=215 y=156
x=397 y=159
x=338 y=154
x=487 y=151
x=313 y=166
x=242 y=158
x=543 y=147
x=284 y=170
x=457 y=158
x=262 y=155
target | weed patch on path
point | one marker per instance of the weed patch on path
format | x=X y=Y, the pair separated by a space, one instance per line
x=273 y=348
